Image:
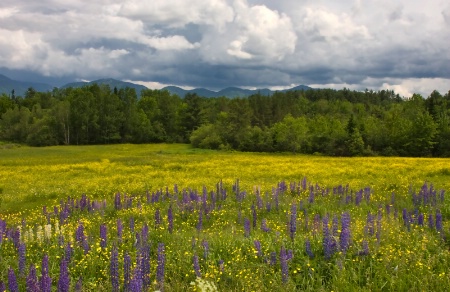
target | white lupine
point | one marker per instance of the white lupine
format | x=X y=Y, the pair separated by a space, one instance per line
x=57 y=231
x=30 y=234
x=20 y=233
x=48 y=231
x=39 y=234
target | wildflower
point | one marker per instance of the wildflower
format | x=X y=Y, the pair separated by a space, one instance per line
x=200 y=221
x=39 y=234
x=284 y=265
x=48 y=231
x=132 y=224
x=2 y=285
x=103 y=235
x=126 y=272
x=420 y=219
x=246 y=227
x=365 y=248
x=196 y=266
x=79 y=285
x=114 y=270
x=438 y=221
x=205 y=248
x=264 y=225
x=257 y=244
x=273 y=258
x=119 y=229
x=45 y=282
x=308 y=249
x=64 y=279
x=145 y=263
x=344 y=237
x=32 y=284
x=293 y=221
x=22 y=258
x=161 y=260
x=254 y=218
x=157 y=218
x=12 y=281
x=170 y=219
x=328 y=246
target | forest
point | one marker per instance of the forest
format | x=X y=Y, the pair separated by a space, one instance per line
x=321 y=121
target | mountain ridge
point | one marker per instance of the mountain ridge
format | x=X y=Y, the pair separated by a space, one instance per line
x=20 y=88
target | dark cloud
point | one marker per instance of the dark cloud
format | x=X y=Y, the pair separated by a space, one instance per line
x=219 y=43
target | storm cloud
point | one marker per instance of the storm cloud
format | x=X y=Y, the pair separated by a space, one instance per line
x=401 y=45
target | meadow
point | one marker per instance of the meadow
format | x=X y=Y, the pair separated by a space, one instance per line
x=175 y=218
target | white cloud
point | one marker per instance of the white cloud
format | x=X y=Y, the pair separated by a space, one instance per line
x=401 y=45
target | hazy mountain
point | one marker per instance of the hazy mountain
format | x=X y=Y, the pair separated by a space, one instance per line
x=108 y=81
x=229 y=92
x=7 y=85
x=20 y=87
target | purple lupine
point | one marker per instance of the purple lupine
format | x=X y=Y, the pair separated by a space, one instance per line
x=308 y=249
x=12 y=281
x=117 y=201
x=45 y=282
x=119 y=229
x=103 y=236
x=430 y=221
x=196 y=266
x=246 y=227
x=254 y=218
x=126 y=272
x=68 y=252
x=221 y=265
x=344 y=237
x=15 y=235
x=132 y=224
x=136 y=284
x=2 y=285
x=205 y=248
x=170 y=219
x=439 y=221
x=335 y=226
x=200 y=221
x=257 y=244
x=293 y=221
x=420 y=219
x=64 y=279
x=79 y=285
x=79 y=233
x=145 y=263
x=161 y=262
x=284 y=265
x=365 y=248
x=264 y=225
x=327 y=241
x=273 y=258
x=157 y=218
x=32 y=284
x=22 y=258
x=144 y=233
x=370 y=224
x=114 y=270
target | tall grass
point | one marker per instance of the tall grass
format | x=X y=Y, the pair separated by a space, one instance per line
x=238 y=221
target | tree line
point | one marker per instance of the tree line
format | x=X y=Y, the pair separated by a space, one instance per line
x=322 y=121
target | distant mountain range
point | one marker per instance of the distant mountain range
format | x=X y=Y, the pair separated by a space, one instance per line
x=20 y=87
x=108 y=81
x=7 y=85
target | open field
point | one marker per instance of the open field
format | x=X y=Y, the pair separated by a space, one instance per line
x=275 y=222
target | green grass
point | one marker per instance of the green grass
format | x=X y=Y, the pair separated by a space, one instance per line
x=401 y=258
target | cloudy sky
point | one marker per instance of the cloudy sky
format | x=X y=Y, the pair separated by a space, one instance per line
x=402 y=45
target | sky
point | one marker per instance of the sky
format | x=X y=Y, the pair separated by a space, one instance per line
x=401 y=45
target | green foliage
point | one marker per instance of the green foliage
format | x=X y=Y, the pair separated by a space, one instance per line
x=321 y=121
